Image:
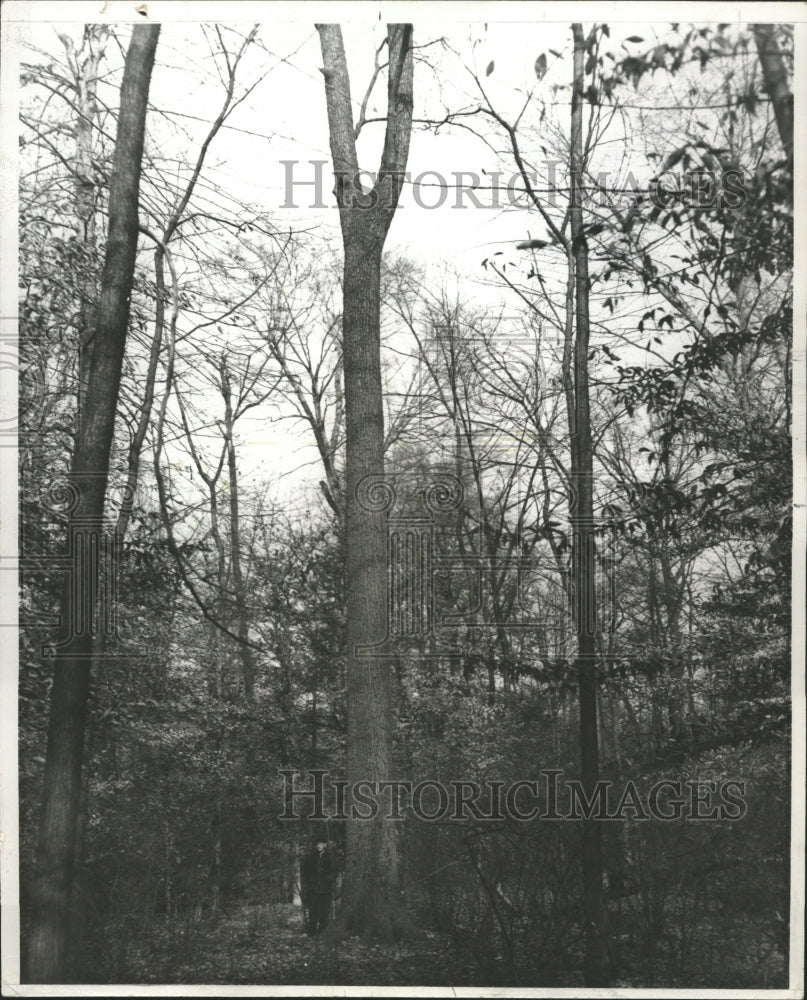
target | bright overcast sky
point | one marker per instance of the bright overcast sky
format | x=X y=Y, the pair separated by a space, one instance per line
x=287 y=119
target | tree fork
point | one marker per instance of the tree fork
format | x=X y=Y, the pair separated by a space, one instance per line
x=371 y=902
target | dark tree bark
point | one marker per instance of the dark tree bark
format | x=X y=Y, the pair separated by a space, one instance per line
x=774 y=73
x=370 y=902
x=46 y=960
x=583 y=549
x=85 y=62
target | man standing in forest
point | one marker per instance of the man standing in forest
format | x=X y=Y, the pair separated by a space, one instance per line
x=316 y=887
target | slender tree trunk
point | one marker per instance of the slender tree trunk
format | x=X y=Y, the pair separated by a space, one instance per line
x=583 y=550
x=143 y=420
x=46 y=960
x=215 y=881
x=244 y=650
x=213 y=663
x=86 y=186
x=370 y=901
x=167 y=876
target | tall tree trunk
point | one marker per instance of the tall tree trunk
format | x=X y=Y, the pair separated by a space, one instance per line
x=47 y=950
x=370 y=901
x=583 y=551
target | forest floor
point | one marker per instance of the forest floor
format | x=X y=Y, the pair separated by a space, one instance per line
x=267 y=945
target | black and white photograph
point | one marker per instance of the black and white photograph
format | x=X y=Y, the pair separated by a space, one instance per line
x=402 y=425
